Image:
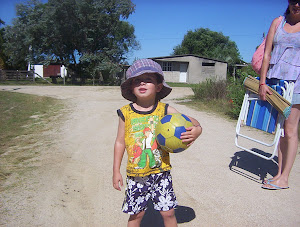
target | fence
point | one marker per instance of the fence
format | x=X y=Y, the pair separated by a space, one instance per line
x=16 y=75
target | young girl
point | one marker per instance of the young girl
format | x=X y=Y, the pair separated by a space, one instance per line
x=148 y=167
x=284 y=63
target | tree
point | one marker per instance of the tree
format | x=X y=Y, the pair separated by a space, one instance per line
x=2 y=56
x=87 y=36
x=209 y=44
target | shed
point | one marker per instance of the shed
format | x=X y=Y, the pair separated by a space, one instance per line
x=52 y=70
x=191 y=69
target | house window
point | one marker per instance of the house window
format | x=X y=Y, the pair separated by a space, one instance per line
x=167 y=66
x=208 y=64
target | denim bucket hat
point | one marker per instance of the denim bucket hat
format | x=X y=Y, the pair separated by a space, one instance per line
x=141 y=67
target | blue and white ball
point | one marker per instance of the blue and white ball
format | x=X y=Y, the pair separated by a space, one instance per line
x=168 y=132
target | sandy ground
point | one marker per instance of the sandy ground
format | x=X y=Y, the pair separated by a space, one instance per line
x=216 y=183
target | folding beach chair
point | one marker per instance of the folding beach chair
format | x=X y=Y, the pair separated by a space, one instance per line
x=261 y=115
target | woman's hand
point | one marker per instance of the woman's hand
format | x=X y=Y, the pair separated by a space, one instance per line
x=263 y=91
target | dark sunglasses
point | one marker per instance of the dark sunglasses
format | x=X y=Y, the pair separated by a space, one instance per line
x=294 y=2
x=146 y=80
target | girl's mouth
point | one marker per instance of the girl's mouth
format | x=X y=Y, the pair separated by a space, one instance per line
x=142 y=90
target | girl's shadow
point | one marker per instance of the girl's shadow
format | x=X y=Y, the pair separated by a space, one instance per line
x=153 y=218
x=244 y=163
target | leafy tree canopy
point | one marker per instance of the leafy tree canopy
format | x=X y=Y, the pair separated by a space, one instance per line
x=84 y=35
x=210 y=44
x=3 y=57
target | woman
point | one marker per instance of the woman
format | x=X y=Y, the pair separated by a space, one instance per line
x=284 y=63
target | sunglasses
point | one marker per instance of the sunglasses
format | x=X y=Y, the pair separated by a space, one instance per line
x=294 y=2
x=146 y=80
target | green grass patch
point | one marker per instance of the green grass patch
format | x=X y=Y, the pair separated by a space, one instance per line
x=213 y=96
x=88 y=82
x=172 y=84
x=21 y=113
x=23 y=120
x=219 y=107
x=59 y=82
x=37 y=81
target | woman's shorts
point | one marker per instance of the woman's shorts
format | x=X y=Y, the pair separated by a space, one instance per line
x=296 y=99
x=296 y=96
x=158 y=187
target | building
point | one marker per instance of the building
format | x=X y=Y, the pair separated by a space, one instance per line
x=52 y=70
x=191 y=69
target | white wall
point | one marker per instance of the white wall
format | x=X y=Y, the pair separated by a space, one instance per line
x=63 y=71
x=39 y=70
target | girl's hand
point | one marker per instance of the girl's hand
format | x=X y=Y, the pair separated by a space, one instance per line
x=191 y=134
x=117 y=181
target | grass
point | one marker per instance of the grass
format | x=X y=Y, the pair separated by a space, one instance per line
x=212 y=96
x=172 y=84
x=25 y=82
x=23 y=120
x=88 y=82
x=209 y=100
x=220 y=107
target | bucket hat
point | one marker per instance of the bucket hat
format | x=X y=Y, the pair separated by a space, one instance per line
x=139 y=68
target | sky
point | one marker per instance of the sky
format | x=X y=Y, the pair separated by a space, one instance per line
x=160 y=25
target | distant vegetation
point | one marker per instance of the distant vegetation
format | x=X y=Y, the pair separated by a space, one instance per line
x=88 y=37
x=224 y=97
x=209 y=44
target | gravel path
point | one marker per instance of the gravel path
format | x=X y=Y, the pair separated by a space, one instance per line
x=216 y=183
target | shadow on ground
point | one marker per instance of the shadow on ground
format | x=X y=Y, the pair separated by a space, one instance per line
x=247 y=164
x=153 y=218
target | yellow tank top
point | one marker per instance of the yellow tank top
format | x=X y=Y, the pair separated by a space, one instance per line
x=144 y=155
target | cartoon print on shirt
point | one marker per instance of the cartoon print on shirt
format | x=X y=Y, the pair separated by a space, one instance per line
x=137 y=149
x=157 y=154
x=147 y=149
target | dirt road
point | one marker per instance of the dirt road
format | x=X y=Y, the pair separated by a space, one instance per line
x=216 y=183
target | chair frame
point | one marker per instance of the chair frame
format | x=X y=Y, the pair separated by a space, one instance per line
x=287 y=93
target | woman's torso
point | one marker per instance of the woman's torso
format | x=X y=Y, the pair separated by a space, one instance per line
x=285 y=57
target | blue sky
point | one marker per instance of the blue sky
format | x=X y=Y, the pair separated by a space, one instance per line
x=160 y=25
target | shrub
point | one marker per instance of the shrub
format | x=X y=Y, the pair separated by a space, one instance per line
x=211 y=89
x=230 y=94
x=235 y=95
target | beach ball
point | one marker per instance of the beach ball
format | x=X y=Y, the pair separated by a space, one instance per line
x=168 y=131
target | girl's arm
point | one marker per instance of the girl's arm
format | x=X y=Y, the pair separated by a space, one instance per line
x=263 y=88
x=192 y=133
x=119 y=150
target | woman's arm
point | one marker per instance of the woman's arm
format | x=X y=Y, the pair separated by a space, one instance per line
x=263 y=88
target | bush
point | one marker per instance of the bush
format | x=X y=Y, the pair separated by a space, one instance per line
x=211 y=89
x=229 y=94
x=235 y=95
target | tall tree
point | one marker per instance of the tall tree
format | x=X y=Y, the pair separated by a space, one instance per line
x=210 y=44
x=21 y=35
x=85 y=35
x=2 y=56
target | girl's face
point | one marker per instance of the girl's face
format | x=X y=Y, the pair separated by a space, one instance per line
x=146 y=86
x=294 y=7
